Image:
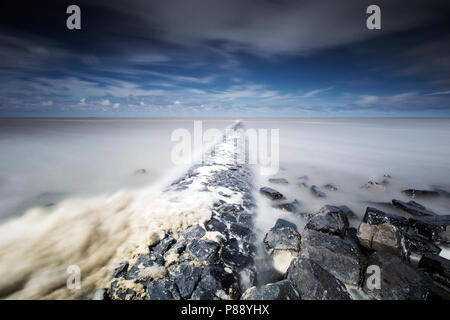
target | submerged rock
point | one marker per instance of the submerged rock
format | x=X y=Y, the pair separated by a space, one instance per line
x=281 y=290
x=317 y=192
x=289 y=206
x=278 y=180
x=435 y=228
x=376 y=185
x=329 y=219
x=313 y=282
x=271 y=193
x=374 y=217
x=438 y=267
x=412 y=207
x=330 y=187
x=282 y=243
x=414 y=193
x=399 y=280
x=339 y=256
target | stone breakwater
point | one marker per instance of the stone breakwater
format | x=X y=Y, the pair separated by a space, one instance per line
x=212 y=259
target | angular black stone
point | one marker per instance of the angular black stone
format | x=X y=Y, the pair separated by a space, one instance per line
x=162 y=289
x=280 y=223
x=271 y=193
x=185 y=276
x=375 y=217
x=435 y=228
x=202 y=250
x=231 y=255
x=399 y=280
x=215 y=278
x=121 y=270
x=289 y=206
x=418 y=245
x=282 y=237
x=339 y=256
x=278 y=180
x=414 y=193
x=330 y=187
x=204 y=294
x=242 y=232
x=317 y=192
x=281 y=290
x=194 y=232
x=329 y=219
x=313 y=282
x=216 y=225
x=246 y=220
x=412 y=207
x=438 y=267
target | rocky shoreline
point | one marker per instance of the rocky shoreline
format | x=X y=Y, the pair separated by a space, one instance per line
x=328 y=259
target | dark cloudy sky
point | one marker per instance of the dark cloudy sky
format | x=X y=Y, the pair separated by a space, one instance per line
x=224 y=58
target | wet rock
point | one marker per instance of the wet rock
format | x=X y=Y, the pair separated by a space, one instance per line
x=194 y=232
x=438 y=267
x=434 y=228
x=330 y=187
x=242 y=232
x=348 y=212
x=317 y=192
x=375 y=185
x=185 y=276
x=271 y=193
x=412 y=207
x=339 y=256
x=303 y=178
x=329 y=219
x=414 y=193
x=121 y=270
x=278 y=180
x=289 y=206
x=233 y=257
x=375 y=217
x=313 y=282
x=203 y=294
x=399 y=280
x=281 y=223
x=159 y=249
x=162 y=289
x=216 y=225
x=381 y=237
x=418 y=245
x=217 y=277
x=203 y=250
x=283 y=236
x=246 y=220
x=302 y=184
x=282 y=290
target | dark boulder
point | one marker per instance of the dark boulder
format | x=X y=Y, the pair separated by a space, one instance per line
x=242 y=232
x=435 y=228
x=278 y=180
x=375 y=217
x=162 y=289
x=283 y=236
x=216 y=225
x=217 y=277
x=339 y=256
x=381 y=237
x=348 y=212
x=329 y=219
x=271 y=193
x=121 y=270
x=398 y=279
x=233 y=257
x=412 y=207
x=282 y=290
x=418 y=245
x=330 y=187
x=317 y=192
x=438 y=267
x=246 y=220
x=194 y=232
x=289 y=206
x=203 y=250
x=185 y=276
x=281 y=223
x=414 y=193
x=313 y=282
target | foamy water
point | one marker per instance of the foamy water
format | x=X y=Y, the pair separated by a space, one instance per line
x=70 y=194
